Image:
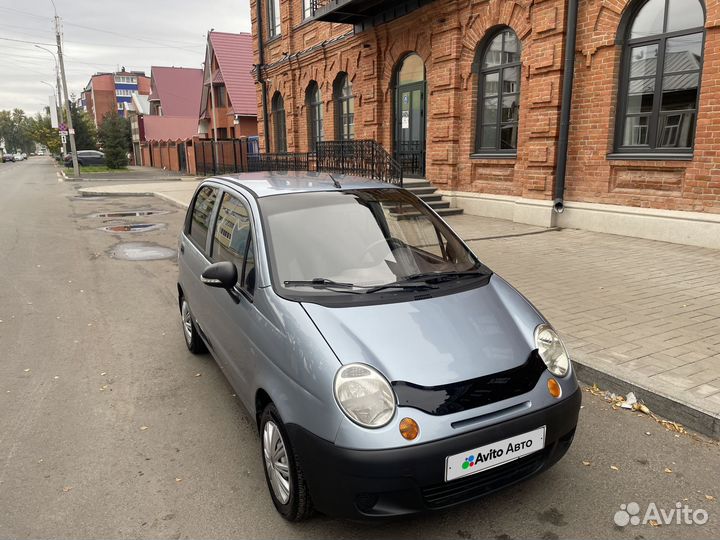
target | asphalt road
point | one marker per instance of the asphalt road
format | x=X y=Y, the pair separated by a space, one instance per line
x=109 y=428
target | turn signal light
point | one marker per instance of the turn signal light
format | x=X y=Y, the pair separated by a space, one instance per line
x=554 y=388
x=409 y=429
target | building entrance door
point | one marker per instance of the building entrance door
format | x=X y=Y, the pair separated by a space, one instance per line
x=410 y=101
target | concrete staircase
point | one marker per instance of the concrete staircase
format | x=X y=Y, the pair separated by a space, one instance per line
x=427 y=192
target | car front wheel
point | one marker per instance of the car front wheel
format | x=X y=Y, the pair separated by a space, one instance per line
x=283 y=473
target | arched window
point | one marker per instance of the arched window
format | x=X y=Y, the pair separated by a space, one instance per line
x=344 y=108
x=278 y=121
x=314 y=103
x=498 y=66
x=661 y=68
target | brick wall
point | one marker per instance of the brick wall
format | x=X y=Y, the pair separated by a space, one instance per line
x=692 y=184
x=447 y=35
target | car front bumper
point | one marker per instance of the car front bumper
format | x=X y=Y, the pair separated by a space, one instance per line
x=382 y=483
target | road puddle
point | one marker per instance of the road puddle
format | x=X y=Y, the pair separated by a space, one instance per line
x=141 y=251
x=129 y=213
x=134 y=227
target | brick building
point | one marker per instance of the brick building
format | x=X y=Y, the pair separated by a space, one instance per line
x=112 y=92
x=469 y=94
x=228 y=107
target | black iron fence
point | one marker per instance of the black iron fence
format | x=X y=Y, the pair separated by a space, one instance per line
x=280 y=162
x=365 y=158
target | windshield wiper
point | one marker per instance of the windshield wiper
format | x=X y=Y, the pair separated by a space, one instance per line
x=398 y=285
x=319 y=283
x=439 y=277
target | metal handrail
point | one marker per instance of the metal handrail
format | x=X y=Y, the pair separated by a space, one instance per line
x=365 y=158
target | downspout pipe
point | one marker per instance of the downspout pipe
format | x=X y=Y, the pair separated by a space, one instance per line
x=566 y=106
x=260 y=78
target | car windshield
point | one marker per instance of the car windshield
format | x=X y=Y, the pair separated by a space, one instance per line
x=361 y=242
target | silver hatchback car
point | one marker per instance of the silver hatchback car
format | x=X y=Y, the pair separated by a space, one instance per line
x=389 y=370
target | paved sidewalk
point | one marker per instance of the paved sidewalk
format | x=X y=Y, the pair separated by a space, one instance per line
x=636 y=314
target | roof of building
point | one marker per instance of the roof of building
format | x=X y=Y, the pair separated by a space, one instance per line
x=170 y=128
x=267 y=183
x=178 y=89
x=682 y=71
x=234 y=54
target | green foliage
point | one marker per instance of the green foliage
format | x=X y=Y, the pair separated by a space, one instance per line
x=41 y=131
x=85 y=132
x=114 y=135
x=14 y=129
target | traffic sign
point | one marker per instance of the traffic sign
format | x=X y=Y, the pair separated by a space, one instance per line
x=62 y=127
x=64 y=140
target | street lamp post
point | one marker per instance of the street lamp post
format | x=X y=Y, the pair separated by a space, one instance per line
x=57 y=105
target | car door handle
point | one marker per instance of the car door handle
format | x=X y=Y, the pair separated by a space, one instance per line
x=182 y=248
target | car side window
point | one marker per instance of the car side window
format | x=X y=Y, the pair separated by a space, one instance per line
x=233 y=238
x=202 y=212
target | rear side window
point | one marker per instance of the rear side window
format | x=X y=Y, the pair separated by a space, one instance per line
x=202 y=212
x=233 y=238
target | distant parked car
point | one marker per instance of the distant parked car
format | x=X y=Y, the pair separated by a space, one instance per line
x=86 y=157
x=19 y=157
x=7 y=157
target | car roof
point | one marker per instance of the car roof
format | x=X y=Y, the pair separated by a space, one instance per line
x=268 y=183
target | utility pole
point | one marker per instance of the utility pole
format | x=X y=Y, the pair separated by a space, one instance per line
x=71 y=130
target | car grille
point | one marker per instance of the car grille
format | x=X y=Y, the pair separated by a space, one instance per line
x=465 y=395
x=478 y=484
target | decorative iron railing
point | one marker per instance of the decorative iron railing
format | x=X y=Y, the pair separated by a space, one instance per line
x=365 y=158
x=279 y=162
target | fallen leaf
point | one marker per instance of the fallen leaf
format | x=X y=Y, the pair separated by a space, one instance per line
x=654 y=523
x=586 y=463
x=709 y=497
x=668 y=470
x=67 y=488
x=614 y=468
x=178 y=479
x=143 y=428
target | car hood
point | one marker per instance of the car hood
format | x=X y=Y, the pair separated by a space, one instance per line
x=434 y=341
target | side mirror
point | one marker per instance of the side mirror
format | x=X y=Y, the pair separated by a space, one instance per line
x=222 y=275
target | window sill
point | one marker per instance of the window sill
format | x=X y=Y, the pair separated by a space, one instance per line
x=271 y=40
x=619 y=156
x=479 y=156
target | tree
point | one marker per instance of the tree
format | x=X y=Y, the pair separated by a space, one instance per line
x=85 y=132
x=114 y=134
x=41 y=131
x=14 y=130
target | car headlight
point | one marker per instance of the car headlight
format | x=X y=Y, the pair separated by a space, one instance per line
x=364 y=395
x=551 y=349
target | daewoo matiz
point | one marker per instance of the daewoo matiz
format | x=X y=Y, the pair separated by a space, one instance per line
x=390 y=371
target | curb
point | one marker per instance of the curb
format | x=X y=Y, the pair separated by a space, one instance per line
x=689 y=416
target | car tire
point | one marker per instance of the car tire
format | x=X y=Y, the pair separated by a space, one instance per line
x=194 y=342
x=283 y=473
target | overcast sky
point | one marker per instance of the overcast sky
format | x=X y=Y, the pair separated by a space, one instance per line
x=104 y=36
